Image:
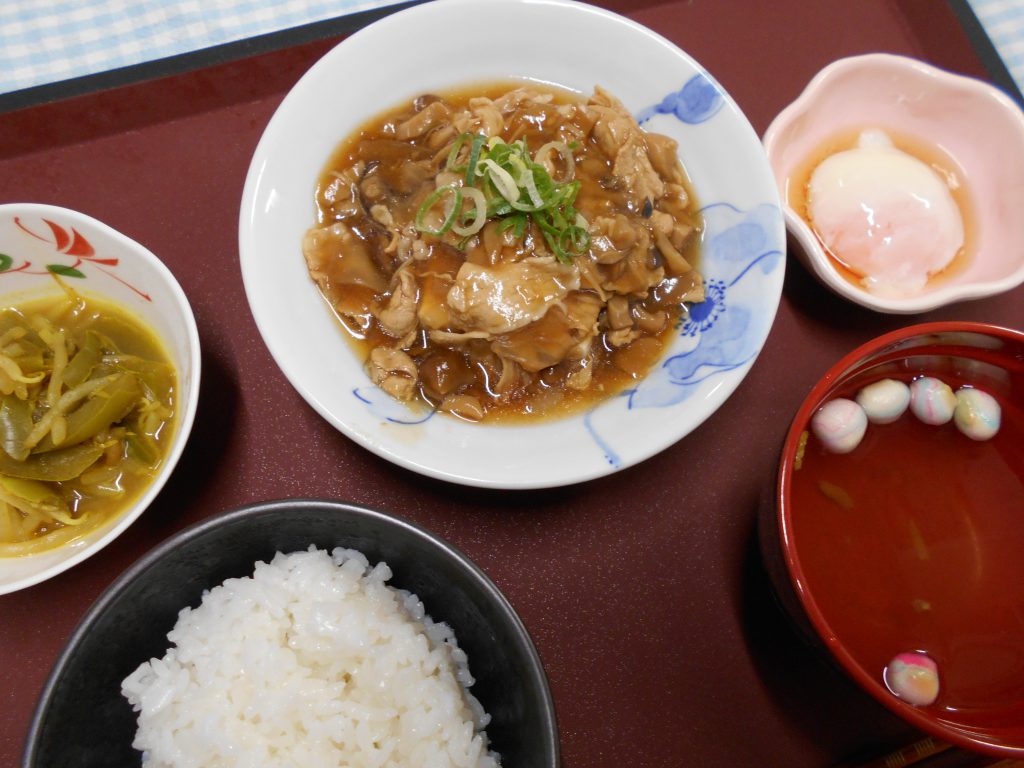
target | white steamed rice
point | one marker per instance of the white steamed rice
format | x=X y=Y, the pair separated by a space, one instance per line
x=312 y=661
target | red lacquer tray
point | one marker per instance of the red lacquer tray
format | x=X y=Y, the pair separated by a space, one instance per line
x=644 y=591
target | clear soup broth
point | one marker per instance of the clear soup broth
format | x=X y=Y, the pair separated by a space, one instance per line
x=914 y=541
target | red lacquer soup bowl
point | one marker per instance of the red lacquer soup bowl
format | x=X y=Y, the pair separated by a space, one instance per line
x=901 y=527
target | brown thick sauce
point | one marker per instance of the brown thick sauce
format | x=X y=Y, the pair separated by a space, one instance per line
x=614 y=369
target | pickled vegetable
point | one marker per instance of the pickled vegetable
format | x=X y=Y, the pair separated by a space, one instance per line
x=87 y=408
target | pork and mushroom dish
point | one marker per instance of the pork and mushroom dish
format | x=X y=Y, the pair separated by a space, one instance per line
x=507 y=252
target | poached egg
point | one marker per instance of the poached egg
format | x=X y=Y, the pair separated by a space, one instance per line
x=885 y=215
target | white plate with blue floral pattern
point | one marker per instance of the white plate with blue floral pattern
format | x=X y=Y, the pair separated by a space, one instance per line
x=573 y=46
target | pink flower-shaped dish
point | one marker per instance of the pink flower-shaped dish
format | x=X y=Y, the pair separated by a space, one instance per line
x=970 y=134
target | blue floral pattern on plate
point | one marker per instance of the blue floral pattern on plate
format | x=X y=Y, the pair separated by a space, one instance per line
x=740 y=247
x=726 y=328
x=384 y=407
x=725 y=331
x=696 y=102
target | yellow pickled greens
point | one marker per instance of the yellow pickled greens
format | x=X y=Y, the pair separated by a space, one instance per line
x=87 y=401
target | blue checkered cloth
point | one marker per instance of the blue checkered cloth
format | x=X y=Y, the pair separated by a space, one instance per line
x=46 y=41
x=1003 y=21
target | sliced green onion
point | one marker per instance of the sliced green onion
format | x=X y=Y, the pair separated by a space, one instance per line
x=451 y=210
x=502 y=180
x=565 y=152
x=499 y=207
x=516 y=222
x=574 y=239
x=529 y=182
x=453 y=155
x=479 y=213
x=505 y=183
x=474 y=157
